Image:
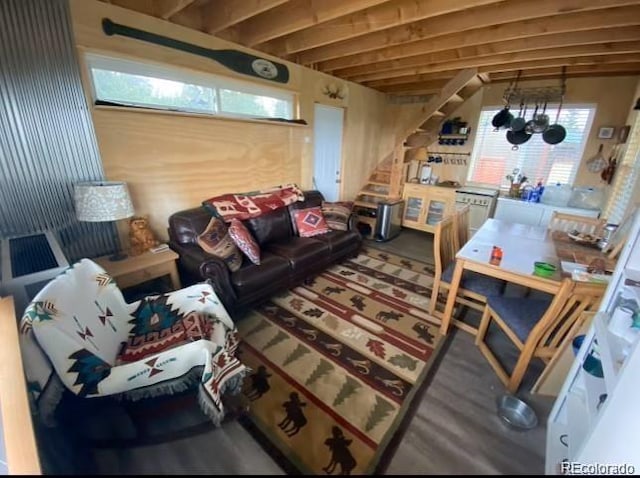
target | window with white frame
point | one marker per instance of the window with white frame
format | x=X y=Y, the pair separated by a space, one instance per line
x=130 y=83
x=493 y=157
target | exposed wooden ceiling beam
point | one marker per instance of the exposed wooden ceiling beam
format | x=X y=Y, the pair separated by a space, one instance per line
x=158 y=8
x=418 y=88
x=427 y=86
x=468 y=19
x=190 y=17
x=597 y=19
x=572 y=71
x=540 y=42
x=569 y=52
x=511 y=67
x=297 y=15
x=386 y=15
x=167 y=8
x=221 y=14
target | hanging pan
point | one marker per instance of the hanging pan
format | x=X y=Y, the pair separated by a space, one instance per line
x=504 y=117
x=556 y=133
x=516 y=138
x=519 y=123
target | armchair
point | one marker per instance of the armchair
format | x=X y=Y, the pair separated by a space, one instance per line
x=80 y=334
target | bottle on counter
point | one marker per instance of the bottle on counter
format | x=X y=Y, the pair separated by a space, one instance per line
x=539 y=190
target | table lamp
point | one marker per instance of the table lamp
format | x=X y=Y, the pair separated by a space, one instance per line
x=102 y=201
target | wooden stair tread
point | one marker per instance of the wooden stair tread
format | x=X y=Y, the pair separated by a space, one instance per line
x=368 y=205
x=367 y=219
x=364 y=192
x=377 y=183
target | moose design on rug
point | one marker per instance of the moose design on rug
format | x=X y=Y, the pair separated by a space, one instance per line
x=340 y=453
x=295 y=415
x=385 y=316
x=259 y=383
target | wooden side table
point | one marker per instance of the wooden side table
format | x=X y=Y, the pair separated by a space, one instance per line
x=135 y=270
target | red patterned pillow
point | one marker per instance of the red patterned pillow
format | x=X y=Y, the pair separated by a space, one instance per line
x=310 y=222
x=245 y=241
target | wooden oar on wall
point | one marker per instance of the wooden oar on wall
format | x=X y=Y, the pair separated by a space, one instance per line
x=235 y=60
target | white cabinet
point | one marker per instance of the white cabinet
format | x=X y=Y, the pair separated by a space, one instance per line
x=596 y=420
x=533 y=213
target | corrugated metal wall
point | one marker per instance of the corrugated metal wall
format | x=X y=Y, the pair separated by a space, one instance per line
x=47 y=141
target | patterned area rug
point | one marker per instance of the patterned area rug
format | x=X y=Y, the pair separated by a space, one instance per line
x=337 y=363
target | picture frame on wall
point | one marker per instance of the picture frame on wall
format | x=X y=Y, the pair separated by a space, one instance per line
x=624 y=134
x=606 y=132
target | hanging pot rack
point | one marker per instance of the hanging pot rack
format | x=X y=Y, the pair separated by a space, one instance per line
x=549 y=94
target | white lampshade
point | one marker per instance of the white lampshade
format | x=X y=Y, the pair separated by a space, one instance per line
x=102 y=201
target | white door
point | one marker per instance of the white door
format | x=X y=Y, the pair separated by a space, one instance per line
x=327 y=150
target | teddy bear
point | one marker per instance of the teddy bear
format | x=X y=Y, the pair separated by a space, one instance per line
x=140 y=235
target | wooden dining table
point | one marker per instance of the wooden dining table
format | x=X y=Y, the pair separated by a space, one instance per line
x=522 y=245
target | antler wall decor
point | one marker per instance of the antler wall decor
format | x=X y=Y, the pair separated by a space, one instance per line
x=334 y=91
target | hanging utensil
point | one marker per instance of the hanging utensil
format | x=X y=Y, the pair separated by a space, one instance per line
x=531 y=123
x=597 y=163
x=541 y=121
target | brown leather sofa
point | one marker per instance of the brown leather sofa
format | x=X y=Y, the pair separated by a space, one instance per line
x=286 y=259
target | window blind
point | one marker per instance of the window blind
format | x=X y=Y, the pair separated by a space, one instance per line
x=493 y=157
x=626 y=178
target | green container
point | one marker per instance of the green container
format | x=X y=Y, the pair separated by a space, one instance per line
x=544 y=269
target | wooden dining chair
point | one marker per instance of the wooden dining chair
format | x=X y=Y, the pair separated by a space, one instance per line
x=474 y=287
x=537 y=327
x=462 y=224
x=570 y=222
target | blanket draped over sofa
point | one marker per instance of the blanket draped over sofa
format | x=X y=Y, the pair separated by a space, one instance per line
x=252 y=204
x=75 y=330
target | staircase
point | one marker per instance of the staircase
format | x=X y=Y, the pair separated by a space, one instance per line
x=387 y=180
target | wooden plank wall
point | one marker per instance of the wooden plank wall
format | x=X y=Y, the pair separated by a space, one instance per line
x=19 y=438
x=173 y=162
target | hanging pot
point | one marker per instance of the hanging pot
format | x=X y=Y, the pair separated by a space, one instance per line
x=517 y=138
x=541 y=121
x=530 y=124
x=555 y=133
x=519 y=123
x=502 y=119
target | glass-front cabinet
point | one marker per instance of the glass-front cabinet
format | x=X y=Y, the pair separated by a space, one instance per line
x=426 y=205
x=413 y=208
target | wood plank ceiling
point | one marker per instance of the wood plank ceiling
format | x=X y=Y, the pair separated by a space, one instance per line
x=416 y=46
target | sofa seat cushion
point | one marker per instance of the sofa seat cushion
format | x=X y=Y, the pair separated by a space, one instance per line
x=251 y=277
x=340 y=240
x=302 y=252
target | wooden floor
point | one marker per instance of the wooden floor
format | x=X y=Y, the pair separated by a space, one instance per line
x=454 y=430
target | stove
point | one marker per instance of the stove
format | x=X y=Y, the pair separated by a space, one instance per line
x=482 y=202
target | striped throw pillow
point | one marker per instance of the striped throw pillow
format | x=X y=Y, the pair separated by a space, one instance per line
x=337 y=214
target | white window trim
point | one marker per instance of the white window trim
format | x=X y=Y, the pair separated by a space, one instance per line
x=207 y=80
x=514 y=110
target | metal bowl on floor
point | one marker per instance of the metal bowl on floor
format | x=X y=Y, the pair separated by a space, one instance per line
x=516 y=413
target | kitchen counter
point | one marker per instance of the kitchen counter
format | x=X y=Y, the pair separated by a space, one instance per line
x=535 y=213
